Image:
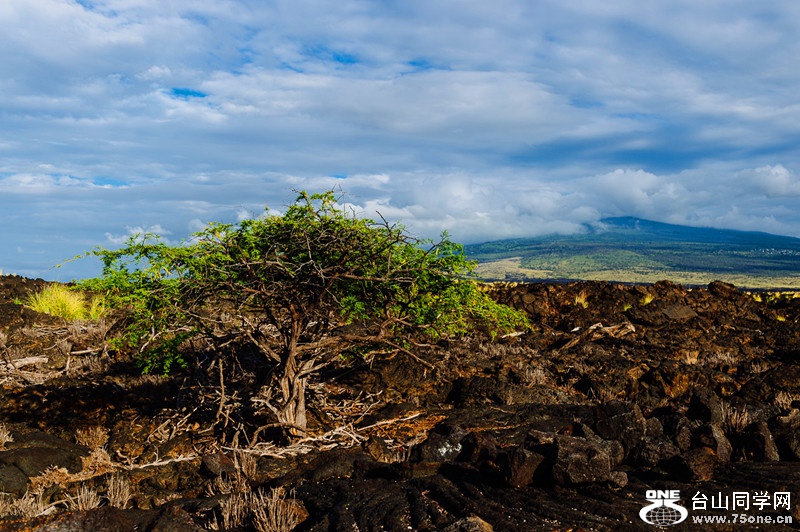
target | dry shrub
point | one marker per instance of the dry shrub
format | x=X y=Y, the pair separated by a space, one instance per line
x=93 y=438
x=88 y=364
x=97 y=463
x=52 y=476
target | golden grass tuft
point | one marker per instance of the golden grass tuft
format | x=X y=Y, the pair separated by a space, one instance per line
x=93 y=437
x=63 y=302
x=5 y=436
x=118 y=491
x=84 y=499
x=273 y=512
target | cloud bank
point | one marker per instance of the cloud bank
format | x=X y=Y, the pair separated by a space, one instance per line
x=497 y=120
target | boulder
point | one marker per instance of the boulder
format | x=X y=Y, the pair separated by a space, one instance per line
x=217 y=464
x=470 y=524
x=443 y=444
x=695 y=465
x=519 y=466
x=705 y=406
x=653 y=451
x=578 y=461
x=12 y=480
x=756 y=443
x=713 y=437
x=623 y=422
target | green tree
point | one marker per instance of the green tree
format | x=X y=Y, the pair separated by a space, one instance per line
x=303 y=287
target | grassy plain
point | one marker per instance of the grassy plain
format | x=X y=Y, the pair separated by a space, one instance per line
x=637 y=251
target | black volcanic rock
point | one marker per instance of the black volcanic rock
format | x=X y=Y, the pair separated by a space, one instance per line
x=563 y=427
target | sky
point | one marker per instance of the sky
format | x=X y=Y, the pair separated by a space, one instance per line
x=490 y=120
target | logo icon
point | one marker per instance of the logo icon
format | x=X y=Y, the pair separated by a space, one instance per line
x=664 y=510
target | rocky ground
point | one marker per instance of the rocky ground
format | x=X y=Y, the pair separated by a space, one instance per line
x=617 y=391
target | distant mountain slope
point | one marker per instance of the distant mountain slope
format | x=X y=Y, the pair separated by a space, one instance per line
x=631 y=249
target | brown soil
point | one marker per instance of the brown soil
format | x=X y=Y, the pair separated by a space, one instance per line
x=618 y=390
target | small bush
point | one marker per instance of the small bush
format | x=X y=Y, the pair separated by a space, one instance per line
x=58 y=300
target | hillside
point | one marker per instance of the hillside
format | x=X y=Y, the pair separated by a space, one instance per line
x=634 y=250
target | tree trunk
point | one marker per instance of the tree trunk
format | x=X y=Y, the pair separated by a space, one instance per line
x=293 y=393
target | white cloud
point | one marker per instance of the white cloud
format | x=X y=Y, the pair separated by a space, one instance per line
x=137 y=232
x=777 y=181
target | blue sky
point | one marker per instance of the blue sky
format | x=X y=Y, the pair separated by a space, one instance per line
x=487 y=119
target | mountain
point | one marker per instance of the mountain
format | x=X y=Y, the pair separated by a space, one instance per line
x=631 y=249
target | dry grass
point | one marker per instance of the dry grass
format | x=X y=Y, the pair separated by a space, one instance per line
x=5 y=436
x=30 y=505
x=273 y=513
x=118 y=491
x=84 y=499
x=93 y=437
x=690 y=357
x=6 y=506
x=734 y=420
x=235 y=510
x=720 y=358
x=246 y=465
x=536 y=376
x=759 y=367
x=265 y=513
x=784 y=400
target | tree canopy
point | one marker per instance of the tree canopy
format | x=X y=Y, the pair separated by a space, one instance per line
x=303 y=287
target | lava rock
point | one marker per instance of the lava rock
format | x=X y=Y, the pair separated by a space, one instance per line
x=217 y=464
x=470 y=524
x=578 y=461
x=443 y=444
x=12 y=480
x=712 y=436
x=519 y=466
x=621 y=421
x=705 y=406
x=679 y=312
x=170 y=518
x=756 y=443
x=696 y=465
x=653 y=451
